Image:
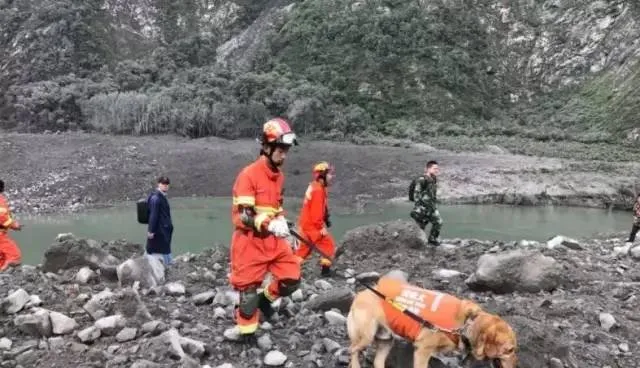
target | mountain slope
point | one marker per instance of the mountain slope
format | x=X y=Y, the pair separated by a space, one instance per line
x=548 y=70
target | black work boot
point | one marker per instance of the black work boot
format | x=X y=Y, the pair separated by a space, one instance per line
x=434 y=242
x=325 y=271
x=265 y=306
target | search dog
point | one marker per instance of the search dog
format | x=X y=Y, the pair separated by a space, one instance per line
x=457 y=322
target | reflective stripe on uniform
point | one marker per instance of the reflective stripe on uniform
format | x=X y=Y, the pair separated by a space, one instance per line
x=244 y=201
x=248 y=329
x=268 y=210
x=8 y=222
x=247 y=325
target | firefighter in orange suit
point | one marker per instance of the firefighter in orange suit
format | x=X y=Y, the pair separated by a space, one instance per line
x=9 y=251
x=314 y=217
x=258 y=243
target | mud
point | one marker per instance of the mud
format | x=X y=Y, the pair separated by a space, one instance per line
x=71 y=172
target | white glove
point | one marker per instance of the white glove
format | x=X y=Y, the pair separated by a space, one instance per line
x=279 y=227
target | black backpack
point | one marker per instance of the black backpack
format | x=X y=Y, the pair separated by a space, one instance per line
x=142 y=207
x=412 y=187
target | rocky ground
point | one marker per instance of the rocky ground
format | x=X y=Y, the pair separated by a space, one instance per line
x=48 y=173
x=572 y=303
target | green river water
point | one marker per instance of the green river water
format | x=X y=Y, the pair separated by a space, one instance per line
x=203 y=222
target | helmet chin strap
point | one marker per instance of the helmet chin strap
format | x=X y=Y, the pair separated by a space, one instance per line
x=269 y=155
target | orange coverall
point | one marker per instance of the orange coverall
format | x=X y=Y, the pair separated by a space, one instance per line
x=435 y=307
x=311 y=223
x=9 y=251
x=254 y=253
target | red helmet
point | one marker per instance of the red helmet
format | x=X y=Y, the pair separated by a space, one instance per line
x=278 y=132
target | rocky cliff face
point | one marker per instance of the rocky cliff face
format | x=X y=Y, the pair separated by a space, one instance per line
x=533 y=66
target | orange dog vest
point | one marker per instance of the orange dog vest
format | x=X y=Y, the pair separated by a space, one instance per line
x=435 y=307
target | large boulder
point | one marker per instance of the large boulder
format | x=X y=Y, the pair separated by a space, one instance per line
x=516 y=270
x=146 y=270
x=339 y=298
x=71 y=252
x=385 y=236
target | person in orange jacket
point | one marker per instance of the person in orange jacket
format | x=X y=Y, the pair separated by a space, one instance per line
x=259 y=242
x=314 y=217
x=9 y=252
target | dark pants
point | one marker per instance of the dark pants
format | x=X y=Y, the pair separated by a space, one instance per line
x=634 y=231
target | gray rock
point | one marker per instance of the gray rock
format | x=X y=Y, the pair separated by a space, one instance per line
x=330 y=346
x=70 y=252
x=89 y=334
x=297 y=296
x=35 y=324
x=322 y=284
x=607 y=321
x=204 y=298
x=264 y=342
x=15 y=301
x=445 y=274
x=154 y=327
x=147 y=270
x=561 y=240
x=56 y=343
x=142 y=363
x=274 y=358
x=100 y=304
x=335 y=318
x=368 y=277
x=5 y=343
x=219 y=313
x=340 y=298
x=34 y=301
x=86 y=275
x=555 y=363
x=126 y=334
x=61 y=324
x=174 y=288
x=517 y=270
x=110 y=325
x=181 y=346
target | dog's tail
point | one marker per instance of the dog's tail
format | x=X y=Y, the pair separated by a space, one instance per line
x=361 y=328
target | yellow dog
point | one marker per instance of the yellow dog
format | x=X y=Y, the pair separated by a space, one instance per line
x=371 y=317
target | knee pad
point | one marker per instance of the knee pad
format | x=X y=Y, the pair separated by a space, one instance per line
x=248 y=303
x=286 y=287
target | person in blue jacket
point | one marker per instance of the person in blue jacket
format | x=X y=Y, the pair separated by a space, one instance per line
x=160 y=228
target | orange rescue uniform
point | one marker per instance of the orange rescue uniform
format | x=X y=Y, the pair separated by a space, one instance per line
x=9 y=251
x=435 y=307
x=254 y=253
x=312 y=221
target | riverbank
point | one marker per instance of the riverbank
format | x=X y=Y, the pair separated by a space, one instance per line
x=576 y=310
x=71 y=172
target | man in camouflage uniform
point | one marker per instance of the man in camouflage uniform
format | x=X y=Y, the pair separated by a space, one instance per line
x=424 y=210
x=636 y=221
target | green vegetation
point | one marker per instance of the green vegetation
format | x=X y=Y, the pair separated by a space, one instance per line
x=358 y=70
